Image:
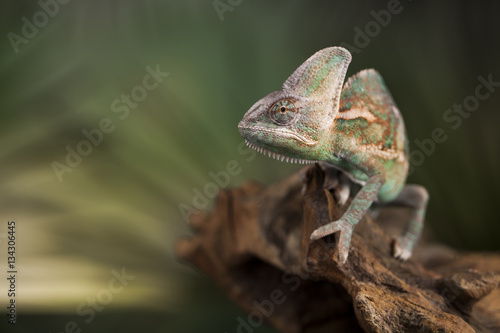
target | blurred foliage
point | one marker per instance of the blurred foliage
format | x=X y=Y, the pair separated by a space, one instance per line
x=119 y=207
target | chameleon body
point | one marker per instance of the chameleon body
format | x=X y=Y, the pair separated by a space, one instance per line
x=355 y=127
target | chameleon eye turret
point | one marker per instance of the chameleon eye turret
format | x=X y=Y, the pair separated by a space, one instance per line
x=355 y=127
x=283 y=112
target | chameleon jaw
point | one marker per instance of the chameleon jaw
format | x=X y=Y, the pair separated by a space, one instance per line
x=277 y=156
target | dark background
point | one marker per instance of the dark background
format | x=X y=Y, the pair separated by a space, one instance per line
x=119 y=208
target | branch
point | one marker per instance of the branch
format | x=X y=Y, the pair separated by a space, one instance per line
x=255 y=245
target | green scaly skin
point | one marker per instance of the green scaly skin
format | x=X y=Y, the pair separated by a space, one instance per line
x=356 y=127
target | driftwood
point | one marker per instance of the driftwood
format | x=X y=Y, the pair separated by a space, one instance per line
x=255 y=245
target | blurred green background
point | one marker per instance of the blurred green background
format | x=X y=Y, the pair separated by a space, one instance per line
x=119 y=208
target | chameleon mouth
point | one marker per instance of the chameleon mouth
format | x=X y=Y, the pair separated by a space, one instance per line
x=278 y=156
x=282 y=131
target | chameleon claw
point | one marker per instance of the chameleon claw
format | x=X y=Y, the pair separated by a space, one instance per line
x=344 y=240
x=342 y=193
x=322 y=232
x=343 y=190
x=402 y=249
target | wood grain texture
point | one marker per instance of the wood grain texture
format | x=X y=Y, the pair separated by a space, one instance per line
x=255 y=245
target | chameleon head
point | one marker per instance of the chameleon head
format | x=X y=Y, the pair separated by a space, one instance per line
x=278 y=125
x=291 y=123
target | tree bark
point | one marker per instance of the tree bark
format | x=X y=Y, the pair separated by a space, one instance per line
x=255 y=245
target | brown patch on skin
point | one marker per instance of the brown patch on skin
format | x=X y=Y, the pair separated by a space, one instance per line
x=355 y=113
x=386 y=154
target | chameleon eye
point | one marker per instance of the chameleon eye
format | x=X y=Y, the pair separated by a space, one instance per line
x=283 y=112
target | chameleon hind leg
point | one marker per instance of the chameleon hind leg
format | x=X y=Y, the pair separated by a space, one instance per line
x=416 y=197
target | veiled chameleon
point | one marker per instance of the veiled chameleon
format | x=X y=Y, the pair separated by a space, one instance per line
x=356 y=127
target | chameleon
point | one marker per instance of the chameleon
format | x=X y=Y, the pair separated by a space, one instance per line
x=354 y=127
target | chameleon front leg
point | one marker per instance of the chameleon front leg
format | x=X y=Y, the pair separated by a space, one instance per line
x=416 y=197
x=362 y=201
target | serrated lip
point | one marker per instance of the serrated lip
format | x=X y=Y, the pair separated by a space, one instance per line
x=278 y=156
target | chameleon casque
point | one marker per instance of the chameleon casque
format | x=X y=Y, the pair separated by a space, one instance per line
x=354 y=127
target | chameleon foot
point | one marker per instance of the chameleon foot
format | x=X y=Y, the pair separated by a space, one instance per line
x=344 y=240
x=416 y=197
x=403 y=247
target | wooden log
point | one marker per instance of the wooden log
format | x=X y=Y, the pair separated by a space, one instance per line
x=255 y=245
